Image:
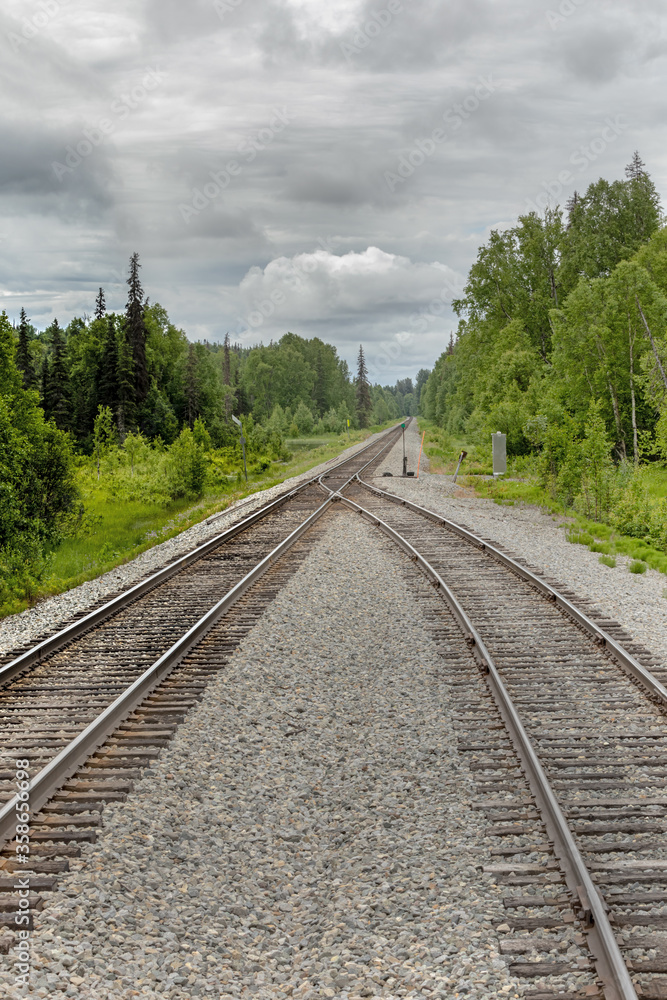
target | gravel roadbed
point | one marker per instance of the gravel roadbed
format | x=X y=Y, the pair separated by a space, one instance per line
x=53 y=612
x=636 y=601
x=308 y=832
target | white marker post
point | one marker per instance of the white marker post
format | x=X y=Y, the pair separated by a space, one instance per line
x=499 y=442
x=238 y=423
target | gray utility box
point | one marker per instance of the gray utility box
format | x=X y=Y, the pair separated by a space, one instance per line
x=499 y=453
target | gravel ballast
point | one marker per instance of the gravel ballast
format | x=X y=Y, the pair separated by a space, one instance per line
x=636 y=601
x=53 y=612
x=342 y=860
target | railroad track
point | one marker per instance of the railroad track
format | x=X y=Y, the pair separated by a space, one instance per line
x=91 y=706
x=583 y=718
x=562 y=725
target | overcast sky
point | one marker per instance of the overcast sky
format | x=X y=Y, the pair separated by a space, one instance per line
x=328 y=168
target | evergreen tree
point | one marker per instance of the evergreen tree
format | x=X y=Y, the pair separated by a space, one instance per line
x=126 y=409
x=107 y=373
x=226 y=362
x=100 y=305
x=636 y=168
x=363 y=392
x=44 y=377
x=242 y=405
x=644 y=214
x=58 y=391
x=23 y=359
x=136 y=331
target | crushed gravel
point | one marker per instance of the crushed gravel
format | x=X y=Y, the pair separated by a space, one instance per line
x=53 y=612
x=637 y=601
x=343 y=861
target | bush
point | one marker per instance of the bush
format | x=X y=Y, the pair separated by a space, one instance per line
x=304 y=419
x=22 y=568
x=186 y=467
x=637 y=566
x=607 y=561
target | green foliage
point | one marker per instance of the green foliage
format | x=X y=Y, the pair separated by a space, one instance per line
x=38 y=492
x=608 y=561
x=636 y=566
x=562 y=345
x=303 y=419
x=580 y=538
x=186 y=466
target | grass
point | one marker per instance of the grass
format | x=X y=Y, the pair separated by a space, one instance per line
x=443 y=450
x=116 y=532
x=582 y=538
x=656 y=479
x=607 y=561
x=636 y=566
x=521 y=487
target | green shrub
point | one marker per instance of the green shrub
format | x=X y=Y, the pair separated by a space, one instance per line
x=604 y=547
x=304 y=419
x=580 y=538
x=607 y=561
x=637 y=566
x=186 y=467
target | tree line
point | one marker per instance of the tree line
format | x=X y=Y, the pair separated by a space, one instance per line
x=157 y=382
x=129 y=387
x=562 y=335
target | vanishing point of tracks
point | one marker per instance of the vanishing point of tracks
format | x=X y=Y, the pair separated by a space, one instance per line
x=561 y=724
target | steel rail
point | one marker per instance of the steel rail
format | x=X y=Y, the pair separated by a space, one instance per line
x=355 y=475
x=44 y=785
x=656 y=691
x=244 y=503
x=610 y=965
x=61 y=638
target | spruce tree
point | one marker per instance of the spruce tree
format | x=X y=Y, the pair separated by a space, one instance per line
x=363 y=391
x=644 y=213
x=58 y=393
x=23 y=360
x=636 y=168
x=100 y=305
x=44 y=380
x=107 y=372
x=126 y=409
x=226 y=362
x=136 y=331
x=242 y=405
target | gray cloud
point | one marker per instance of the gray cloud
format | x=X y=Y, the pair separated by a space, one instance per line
x=319 y=184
